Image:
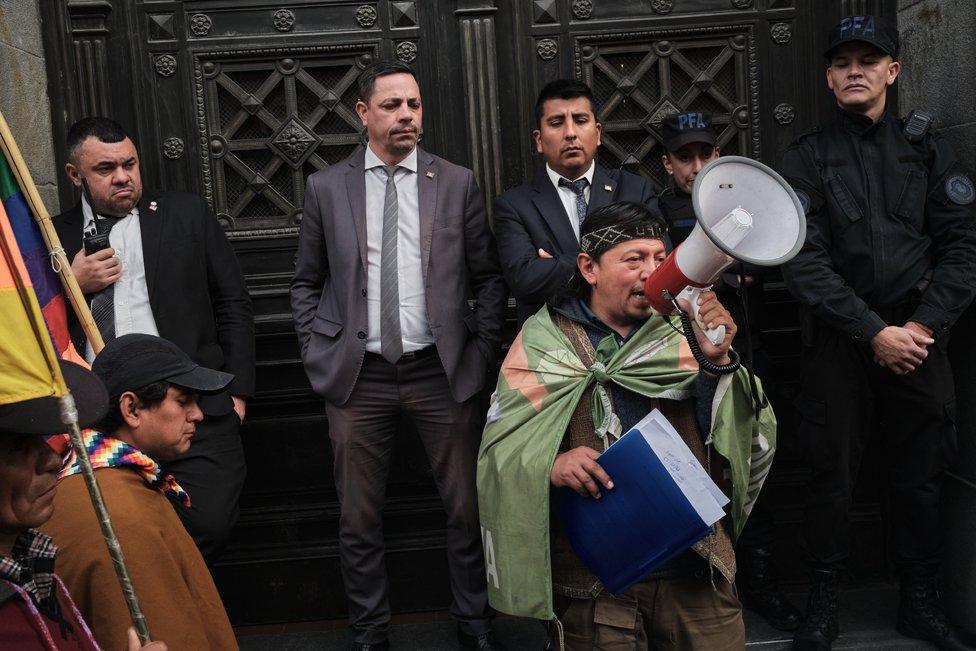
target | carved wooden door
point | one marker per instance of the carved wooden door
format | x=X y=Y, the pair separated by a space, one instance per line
x=241 y=100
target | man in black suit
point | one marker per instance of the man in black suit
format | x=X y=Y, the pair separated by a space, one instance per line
x=537 y=224
x=166 y=269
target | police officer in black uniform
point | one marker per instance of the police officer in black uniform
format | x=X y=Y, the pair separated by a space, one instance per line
x=690 y=144
x=888 y=265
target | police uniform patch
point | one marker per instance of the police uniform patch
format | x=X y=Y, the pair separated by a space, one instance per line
x=804 y=201
x=960 y=189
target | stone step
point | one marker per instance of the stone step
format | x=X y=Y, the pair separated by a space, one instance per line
x=867 y=622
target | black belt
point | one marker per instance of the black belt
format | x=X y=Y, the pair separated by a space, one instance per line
x=412 y=355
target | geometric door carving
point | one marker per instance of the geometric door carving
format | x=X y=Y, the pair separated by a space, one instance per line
x=640 y=78
x=267 y=122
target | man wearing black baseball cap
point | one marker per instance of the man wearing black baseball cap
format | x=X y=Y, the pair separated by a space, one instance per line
x=35 y=608
x=886 y=269
x=153 y=387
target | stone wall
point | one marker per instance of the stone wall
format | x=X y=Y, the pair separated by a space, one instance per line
x=939 y=74
x=23 y=93
x=939 y=69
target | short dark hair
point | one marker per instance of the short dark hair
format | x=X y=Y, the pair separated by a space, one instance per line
x=562 y=89
x=621 y=213
x=104 y=129
x=149 y=396
x=367 y=78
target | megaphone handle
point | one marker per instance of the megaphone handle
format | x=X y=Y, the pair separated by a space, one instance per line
x=715 y=335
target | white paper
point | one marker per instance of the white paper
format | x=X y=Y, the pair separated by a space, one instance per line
x=657 y=417
x=688 y=474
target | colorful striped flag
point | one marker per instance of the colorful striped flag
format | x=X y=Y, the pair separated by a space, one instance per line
x=47 y=285
x=27 y=366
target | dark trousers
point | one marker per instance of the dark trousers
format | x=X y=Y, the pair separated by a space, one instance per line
x=363 y=432
x=212 y=472
x=844 y=394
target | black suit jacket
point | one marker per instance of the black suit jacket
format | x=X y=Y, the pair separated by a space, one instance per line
x=196 y=289
x=531 y=217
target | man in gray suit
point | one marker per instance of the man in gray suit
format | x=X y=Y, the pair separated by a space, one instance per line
x=393 y=243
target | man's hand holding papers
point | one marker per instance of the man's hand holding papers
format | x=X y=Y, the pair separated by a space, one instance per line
x=578 y=469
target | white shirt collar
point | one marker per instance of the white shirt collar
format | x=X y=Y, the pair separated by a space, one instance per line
x=588 y=175
x=89 y=214
x=410 y=162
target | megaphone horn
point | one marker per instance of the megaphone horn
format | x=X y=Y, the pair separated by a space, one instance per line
x=745 y=212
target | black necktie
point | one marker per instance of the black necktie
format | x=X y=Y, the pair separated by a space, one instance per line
x=578 y=187
x=103 y=303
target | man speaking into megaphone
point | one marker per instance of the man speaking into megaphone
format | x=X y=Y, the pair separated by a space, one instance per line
x=583 y=370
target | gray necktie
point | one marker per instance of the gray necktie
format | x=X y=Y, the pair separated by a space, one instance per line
x=579 y=187
x=103 y=303
x=391 y=342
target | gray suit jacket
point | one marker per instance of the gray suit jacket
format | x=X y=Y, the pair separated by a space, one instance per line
x=328 y=292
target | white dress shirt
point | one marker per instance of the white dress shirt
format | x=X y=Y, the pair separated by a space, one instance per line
x=568 y=197
x=414 y=328
x=132 y=310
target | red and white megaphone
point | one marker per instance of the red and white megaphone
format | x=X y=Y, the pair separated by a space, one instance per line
x=745 y=212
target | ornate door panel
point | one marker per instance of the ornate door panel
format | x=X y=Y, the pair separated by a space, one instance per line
x=636 y=86
x=240 y=101
x=267 y=122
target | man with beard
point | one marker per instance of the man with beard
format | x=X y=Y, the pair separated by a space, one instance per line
x=393 y=243
x=167 y=270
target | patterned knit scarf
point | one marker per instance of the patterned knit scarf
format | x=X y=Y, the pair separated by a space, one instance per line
x=108 y=452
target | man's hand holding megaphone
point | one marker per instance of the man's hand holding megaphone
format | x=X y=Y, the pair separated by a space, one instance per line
x=711 y=313
x=746 y=212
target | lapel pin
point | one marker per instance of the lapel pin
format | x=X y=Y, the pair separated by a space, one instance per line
x=608 y=188
x=152 y=205
x=430 y=174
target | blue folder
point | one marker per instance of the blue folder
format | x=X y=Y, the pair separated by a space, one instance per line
x=639 y=525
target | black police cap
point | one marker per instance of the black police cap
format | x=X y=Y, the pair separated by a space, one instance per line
x=687 y=127
x=867 y=29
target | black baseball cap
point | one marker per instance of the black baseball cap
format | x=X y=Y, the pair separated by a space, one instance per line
x=43 y=415
x=683 y=128
x=133 y=361
x=868 y=29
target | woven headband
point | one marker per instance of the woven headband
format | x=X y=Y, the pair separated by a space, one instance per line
x=608 y=237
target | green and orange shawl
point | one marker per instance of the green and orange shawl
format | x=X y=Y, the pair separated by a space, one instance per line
x=539 y=387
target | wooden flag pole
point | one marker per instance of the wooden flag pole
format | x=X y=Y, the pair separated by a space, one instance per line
x=58 y=258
